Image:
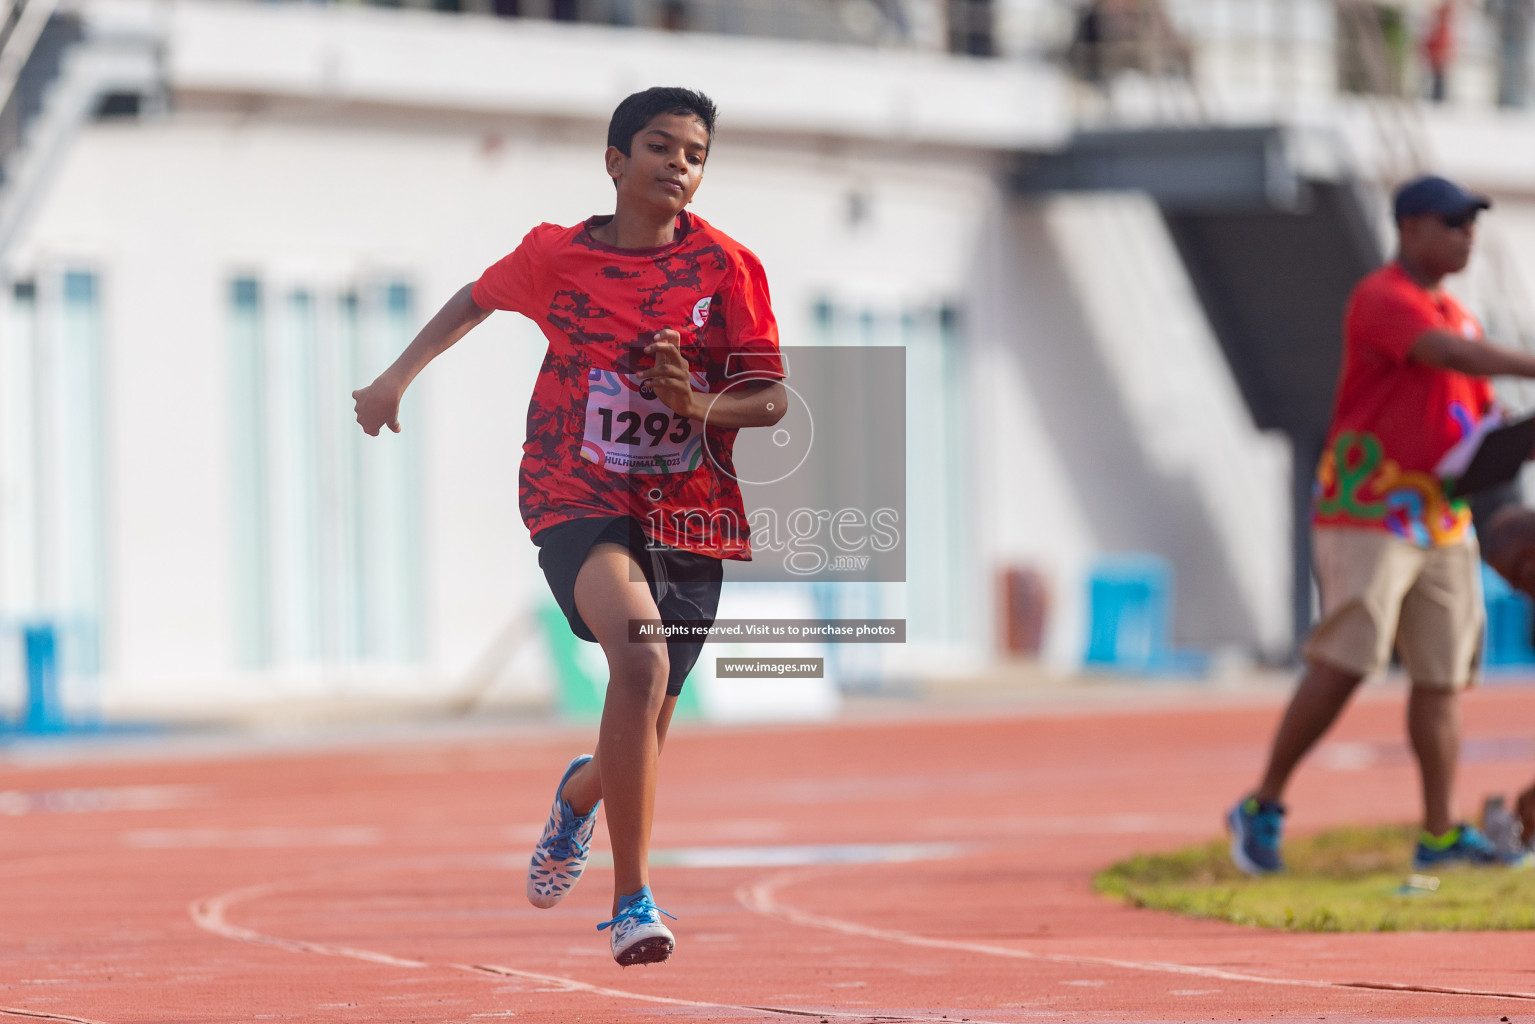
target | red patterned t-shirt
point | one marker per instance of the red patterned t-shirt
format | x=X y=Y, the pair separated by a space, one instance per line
x=599 y=441
x=1395 y=419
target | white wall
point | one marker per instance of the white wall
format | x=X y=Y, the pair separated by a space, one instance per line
x=1212 y=492
x=1106 y=421
x=335 y=145
x=168 y=210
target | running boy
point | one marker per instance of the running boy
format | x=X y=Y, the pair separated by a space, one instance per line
x=662 y=343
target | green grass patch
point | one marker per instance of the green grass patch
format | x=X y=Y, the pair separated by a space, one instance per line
x=1346 y=880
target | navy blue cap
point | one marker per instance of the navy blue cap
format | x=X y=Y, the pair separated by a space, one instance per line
x=1436 y=195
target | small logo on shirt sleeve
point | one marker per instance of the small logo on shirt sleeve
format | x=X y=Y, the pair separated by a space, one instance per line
x=701 y=311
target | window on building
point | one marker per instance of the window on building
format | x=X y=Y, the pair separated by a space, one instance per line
x=933 y=598
x=326 y=523
x=53 y=561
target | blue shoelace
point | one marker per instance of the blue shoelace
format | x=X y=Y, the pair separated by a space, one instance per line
x=564 y=844
x=640 y=909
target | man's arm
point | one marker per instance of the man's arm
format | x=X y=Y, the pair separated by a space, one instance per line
x=1507 y=538
x=752 y=403
x=378 y=404
x=1477 y=358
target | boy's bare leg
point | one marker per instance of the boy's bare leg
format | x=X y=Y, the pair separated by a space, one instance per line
x=584 y=787
x=1433 y=724
x=1321 y=695
x=610 y=591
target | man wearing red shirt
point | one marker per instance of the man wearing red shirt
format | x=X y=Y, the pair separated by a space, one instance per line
x=1439 y=49
x=662 y=344
x=1396 y=560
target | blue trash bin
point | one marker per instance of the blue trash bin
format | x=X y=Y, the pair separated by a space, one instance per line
x=1130 y=617
x=1129 y=612
x=40 y=648
x=1510 y=620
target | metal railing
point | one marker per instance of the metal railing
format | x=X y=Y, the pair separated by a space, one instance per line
x=22 y=28
x=1288 y=48
x=1289 y=52
x=962 y=26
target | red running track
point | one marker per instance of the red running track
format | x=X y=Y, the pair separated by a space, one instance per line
x=946 y=877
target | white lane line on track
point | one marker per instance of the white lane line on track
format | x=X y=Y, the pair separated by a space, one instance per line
x=1387 y=986
x=101 y=798
x=211 y=915
x=784 y=856
x=41 y=1015
x=762 y=899
x=206 y=838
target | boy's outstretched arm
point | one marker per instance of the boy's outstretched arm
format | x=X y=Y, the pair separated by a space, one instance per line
x=378 y=404
x=752 y=403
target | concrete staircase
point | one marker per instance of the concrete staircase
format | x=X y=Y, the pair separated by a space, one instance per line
x=59 y=70
x=1272 y=240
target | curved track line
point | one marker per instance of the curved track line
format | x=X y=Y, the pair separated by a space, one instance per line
x=13 y=1011
x=761 y=899
x=581 y=986
x=210 y=914
x=1440 y=990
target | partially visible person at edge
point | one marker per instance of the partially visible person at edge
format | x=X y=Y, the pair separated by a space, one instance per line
x=1506 y=529
x=1396 y=561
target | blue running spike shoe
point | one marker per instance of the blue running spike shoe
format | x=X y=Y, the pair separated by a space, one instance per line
x=560 y=856
x=1464 y=846
x=638 y=936
x=1256 y=827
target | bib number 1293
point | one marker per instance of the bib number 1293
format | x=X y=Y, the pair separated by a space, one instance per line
x=630 y=430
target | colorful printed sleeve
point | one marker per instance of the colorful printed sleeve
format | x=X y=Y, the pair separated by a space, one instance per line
x=512 y=282
x=1388 y=321
x=750 y=326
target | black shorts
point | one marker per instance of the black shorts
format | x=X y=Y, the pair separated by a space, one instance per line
x=685 y=586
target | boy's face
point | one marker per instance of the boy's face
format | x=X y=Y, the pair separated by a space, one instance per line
x=665 y=163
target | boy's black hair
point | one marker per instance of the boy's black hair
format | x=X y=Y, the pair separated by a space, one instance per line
x=639 y=109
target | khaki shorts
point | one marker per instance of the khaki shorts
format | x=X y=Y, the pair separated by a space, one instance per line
x=1378 y=589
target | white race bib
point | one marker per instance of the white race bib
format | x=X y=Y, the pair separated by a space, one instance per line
x=630 y=430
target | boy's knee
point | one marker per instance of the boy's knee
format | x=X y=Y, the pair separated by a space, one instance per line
x=640 y=667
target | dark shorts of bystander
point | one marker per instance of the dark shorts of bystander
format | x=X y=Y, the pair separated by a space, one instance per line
x=686 y=586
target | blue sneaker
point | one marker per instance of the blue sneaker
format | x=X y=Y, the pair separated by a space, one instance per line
x=1256 y=826
x=560 y=856
x=638 y=936
x=1465 y=846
